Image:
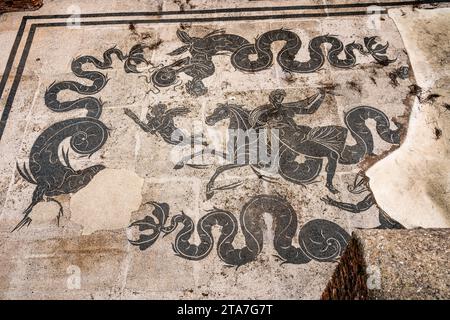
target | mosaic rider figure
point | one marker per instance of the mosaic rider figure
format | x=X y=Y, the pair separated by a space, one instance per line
x=277 y=112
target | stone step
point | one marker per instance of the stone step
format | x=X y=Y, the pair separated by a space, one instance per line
x=393 y=264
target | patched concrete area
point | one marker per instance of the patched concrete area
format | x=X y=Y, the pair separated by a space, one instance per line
x=107 y=202
x=168 y=150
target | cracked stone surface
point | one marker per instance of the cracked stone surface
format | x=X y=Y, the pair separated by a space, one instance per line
x=393 y=264
x=103 y=108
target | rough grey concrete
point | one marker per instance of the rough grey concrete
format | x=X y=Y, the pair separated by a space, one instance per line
x=393 y=264
x=79 y=245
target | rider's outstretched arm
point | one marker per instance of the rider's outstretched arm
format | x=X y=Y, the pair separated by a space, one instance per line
x=308 y=105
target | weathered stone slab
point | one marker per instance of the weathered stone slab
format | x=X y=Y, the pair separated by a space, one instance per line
x=55 y=268
x=393 y=264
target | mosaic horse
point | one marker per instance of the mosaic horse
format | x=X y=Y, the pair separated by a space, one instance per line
x=314 y=144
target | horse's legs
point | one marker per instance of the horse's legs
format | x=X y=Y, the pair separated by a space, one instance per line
x=262 y=176
x=180 y=164
x=219 y=170
x=331 y=170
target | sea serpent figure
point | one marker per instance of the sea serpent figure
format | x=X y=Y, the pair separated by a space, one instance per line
x=200 y=65
x=320 y=240
x=51 y=175
x=240 y=59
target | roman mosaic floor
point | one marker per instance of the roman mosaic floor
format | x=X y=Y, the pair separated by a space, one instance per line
x=202 y=149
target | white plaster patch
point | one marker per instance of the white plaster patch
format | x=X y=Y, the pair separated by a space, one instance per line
x=411 y=184
x=107 y=202
x=45 y=212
